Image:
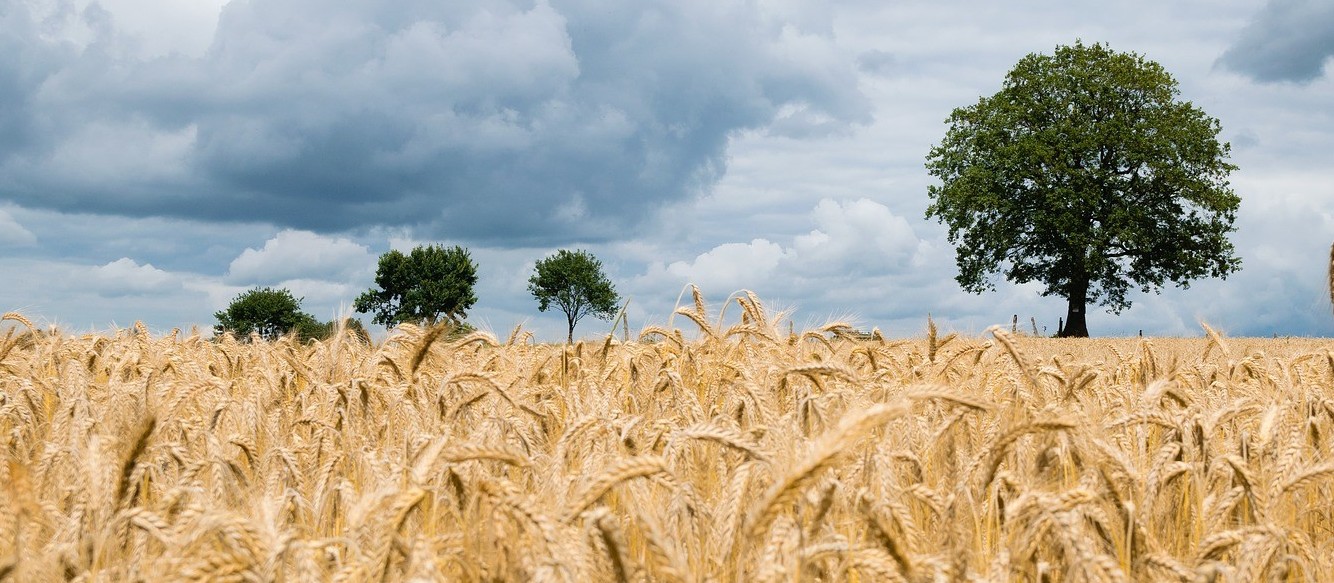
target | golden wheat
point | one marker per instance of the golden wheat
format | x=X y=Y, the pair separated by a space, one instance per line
x=754 y=452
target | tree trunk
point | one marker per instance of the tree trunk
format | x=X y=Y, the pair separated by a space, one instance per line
x=569 y=339
x=1075 y=325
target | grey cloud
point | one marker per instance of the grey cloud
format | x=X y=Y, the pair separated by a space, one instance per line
x=13 y=233
x=1288 y=40
x=22 y=72
x=169 y=244
x=879 y=62
x=483 y=120
x=1245 y=140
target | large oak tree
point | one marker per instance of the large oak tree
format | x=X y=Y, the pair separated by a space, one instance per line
x=1085 y=173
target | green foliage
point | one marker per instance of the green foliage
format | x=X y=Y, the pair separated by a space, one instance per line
x=266 y=311
x=1086 y=174
x=574 y=282
x=309 y=329
x=420 y=287
x=459 y=331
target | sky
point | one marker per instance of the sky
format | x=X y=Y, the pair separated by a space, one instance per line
x=159 y=157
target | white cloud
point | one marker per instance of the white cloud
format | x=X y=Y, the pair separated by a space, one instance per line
x=147 y=27
x=860 y=237
x=82 y=297
x=302 y=255
x=325 y=300
x=852 y=239
x=124 y=276
x=728 y=267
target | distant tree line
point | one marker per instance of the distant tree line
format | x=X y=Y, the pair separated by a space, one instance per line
x=432 y=285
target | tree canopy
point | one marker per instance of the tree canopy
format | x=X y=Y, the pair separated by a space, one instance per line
x=575 y=283
x=316 y=330
x=422 y=286
x=267 y=311
x=1087 y=174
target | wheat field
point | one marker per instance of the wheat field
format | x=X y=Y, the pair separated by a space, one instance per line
x=701 y=452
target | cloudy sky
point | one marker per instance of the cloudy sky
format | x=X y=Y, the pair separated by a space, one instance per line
x=158 y=157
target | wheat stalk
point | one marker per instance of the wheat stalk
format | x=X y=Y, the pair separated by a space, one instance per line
x=136 y=450
x=627 y=469
x=831 y=446
x=725 y=436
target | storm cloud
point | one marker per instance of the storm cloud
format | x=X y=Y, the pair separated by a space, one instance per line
x=1288 y=40
x=491 y=120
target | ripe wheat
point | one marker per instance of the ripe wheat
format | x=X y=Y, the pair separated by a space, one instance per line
x=735 y=450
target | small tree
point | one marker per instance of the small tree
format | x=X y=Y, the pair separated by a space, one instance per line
x=573 y=280
x=430 y=282
x=1085 y=173
x=310 y=329
x=267 y=311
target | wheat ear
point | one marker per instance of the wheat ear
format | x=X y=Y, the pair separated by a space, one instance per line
x=836 y=442
x=723 y=436
x=1215 y=340
x=997 y=450
x=424 y=347
x=628 y=469
x=132 y=459
x=17 y=317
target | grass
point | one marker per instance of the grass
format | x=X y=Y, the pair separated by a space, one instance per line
x=749 y=454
